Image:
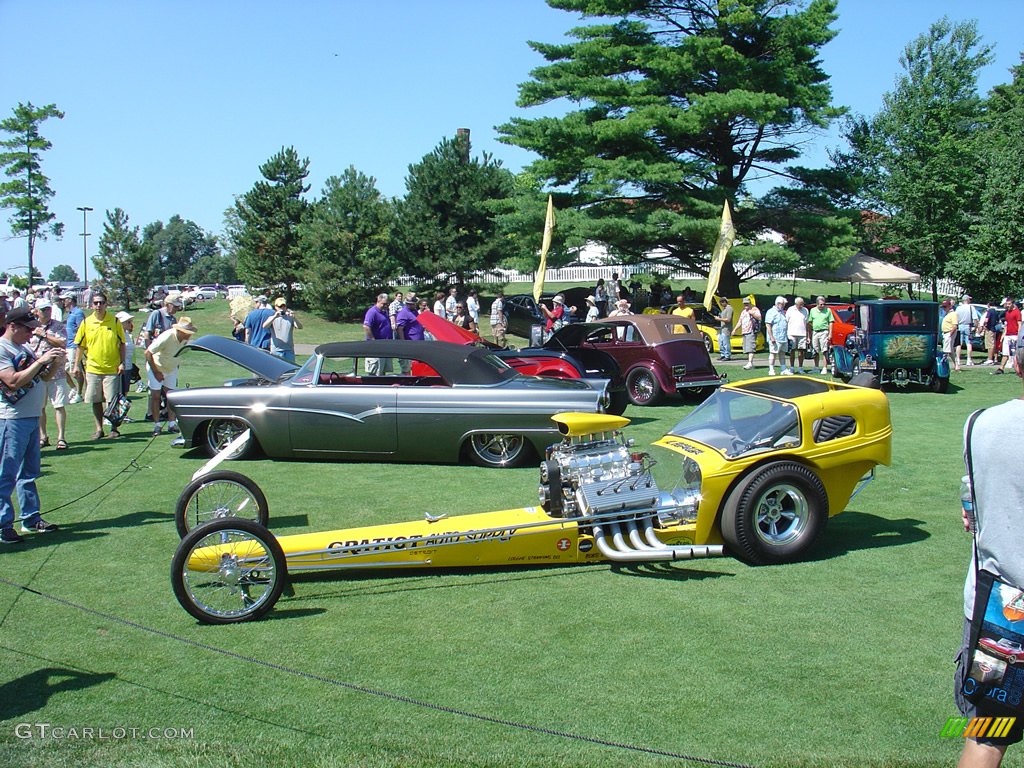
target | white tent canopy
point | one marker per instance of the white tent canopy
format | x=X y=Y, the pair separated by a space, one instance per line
x=862 y=268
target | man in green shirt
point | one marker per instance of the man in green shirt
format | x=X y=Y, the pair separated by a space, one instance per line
x=820 y=319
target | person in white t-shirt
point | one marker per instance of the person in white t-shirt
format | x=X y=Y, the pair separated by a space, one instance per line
x=796 y=329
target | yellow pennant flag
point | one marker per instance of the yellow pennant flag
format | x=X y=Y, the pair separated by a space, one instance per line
x=726 y=236
x=549 y=227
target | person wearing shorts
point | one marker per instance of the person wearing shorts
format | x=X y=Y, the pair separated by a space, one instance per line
x=50 y=334
x=100 y=351
x=820 y=318
x=162 y=369
x=778 y=338
x=1012 y=324
x=796 y=322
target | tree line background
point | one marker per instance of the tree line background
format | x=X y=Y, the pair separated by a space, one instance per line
x=674 y=107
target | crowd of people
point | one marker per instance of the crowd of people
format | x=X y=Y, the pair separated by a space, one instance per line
x=54 y=354
x=998 y=326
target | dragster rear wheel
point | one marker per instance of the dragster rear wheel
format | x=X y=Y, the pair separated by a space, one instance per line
x=217 y=495
x=227 y=571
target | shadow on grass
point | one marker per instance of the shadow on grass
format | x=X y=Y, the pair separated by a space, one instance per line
x=468 y=578
x=284 y=521
x=91 y=529
x=31 y=692
x=853 y=531
x=666 y=570
x=34 y=691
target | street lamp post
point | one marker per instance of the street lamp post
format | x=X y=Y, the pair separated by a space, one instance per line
x=85 y=243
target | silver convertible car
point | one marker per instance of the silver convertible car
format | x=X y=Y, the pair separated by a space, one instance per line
x=456 y=402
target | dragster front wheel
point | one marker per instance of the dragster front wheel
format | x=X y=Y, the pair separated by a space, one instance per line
x=228 y=570
x=217 y=495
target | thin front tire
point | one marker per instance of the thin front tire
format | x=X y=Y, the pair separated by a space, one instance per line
x=228 y=571
x=219 y=495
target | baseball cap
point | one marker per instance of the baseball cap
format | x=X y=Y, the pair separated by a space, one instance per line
x=22 y=316
x=124 y=317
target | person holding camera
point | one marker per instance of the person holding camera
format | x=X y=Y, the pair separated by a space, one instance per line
x=281 y=325
x=22 y=398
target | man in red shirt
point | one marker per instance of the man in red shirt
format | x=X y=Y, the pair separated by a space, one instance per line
x=1012 y=322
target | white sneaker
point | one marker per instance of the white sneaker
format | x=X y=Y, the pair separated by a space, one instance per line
x=771 y=371
x=799 y=371
x=787 y=371
x=824 y=370
x=748 y=366
x=73 y=397
x=969 y=362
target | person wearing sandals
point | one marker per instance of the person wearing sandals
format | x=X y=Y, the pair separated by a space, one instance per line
x=48 y=335
x=21 y=402
x=100 y=341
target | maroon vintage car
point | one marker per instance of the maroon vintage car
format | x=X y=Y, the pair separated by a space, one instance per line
x=537 y=361
x=657 y=354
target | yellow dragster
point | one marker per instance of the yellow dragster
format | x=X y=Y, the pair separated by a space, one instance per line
x=756 y=469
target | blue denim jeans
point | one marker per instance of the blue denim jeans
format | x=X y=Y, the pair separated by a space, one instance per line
x=285 y=354
x=725 y=342
x=19 y=468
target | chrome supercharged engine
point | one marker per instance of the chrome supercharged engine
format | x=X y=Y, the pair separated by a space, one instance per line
x=607 y=485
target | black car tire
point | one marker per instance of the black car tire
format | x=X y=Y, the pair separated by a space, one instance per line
x=709 y=344
x=218 y=495
x=497 y=450
x=939 y=384
x=784 y=492
x=220 y=432
x=642 y=387
x=617 y=402
x=229 y=590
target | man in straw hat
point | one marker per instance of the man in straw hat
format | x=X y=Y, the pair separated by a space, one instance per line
x=162 y=369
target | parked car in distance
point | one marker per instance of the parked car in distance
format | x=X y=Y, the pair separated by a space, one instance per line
x=522 y=312
x=657 y=355
x=466 y=404
x=898 y=341
x=549 y=360
x=707 y=326
x=207 y=292
x=844 y=323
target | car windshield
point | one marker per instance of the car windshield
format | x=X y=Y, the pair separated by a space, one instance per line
x=739 y=423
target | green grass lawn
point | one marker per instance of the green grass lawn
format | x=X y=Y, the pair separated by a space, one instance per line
x=842 y=660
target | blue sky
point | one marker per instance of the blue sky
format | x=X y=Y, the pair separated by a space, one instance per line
x=171 y=105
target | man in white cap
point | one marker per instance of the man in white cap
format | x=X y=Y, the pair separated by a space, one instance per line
x=162 y=369
x=966 y=319
x=621 y=309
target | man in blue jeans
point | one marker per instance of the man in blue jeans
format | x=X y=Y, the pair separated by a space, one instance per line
x=22 y=397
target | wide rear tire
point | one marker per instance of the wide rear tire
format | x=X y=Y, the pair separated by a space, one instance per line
x=775 y=514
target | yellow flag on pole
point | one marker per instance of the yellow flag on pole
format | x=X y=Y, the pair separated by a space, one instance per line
x=726 y=236
x=549 y=227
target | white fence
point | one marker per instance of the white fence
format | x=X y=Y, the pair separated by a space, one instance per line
x=589 y=275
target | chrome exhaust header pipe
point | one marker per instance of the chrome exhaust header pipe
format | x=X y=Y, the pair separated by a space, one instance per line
x=617 y=550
